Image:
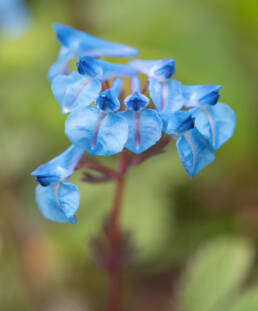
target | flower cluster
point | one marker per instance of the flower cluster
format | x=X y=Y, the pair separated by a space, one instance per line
x=13 y=17
x=100 y=123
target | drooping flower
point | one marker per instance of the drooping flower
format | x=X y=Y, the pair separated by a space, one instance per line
x=57 y=199
x=99 y=130
x=193 y=149
x=145 y=125
x=215 y=121
x=60 y=168
x=14 y=17
x=77 y=43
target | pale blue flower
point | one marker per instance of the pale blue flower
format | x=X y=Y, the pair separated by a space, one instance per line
x=60 y=168
x=76 y=43
x=99 y=130
x=145 y=125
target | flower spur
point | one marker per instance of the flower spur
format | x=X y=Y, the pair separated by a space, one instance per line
x=76 y=43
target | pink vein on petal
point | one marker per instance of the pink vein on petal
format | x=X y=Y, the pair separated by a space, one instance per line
x=137 y=129
x=77 y=93
x=188 y=139
x=164 y=94
x=98 y=125
x=211 y=125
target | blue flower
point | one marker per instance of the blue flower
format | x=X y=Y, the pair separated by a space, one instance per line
x=145 y=125
x=166 y=94
x=103 y=70
x=215 y=121
x=83 y=44
x=160 y=70
x=98 y=129
x=75 y=90
x=75 y=43
x=60 y=168
x=14 y=17
x=58 y=201
x=193 y=149
x=200 y=95
x=171 y=95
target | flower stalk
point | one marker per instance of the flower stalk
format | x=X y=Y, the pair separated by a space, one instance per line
x=114 y=271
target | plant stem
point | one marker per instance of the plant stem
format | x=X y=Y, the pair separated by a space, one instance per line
x=114 y=236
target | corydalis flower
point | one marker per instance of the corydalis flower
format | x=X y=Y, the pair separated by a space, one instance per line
x=99 y=130
x=75 y=43
x=60 y=168
x=215 y=121
x=160 y=70
x=193 y=149
x=58 y=200
x=144 y=124
x=163 y=91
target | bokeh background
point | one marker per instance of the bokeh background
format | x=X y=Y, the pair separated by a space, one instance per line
x=195 y=240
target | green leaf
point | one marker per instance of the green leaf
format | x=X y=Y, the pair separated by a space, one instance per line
x=215 y=272
x=246 y=302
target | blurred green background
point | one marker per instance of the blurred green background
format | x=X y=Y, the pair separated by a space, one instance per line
x=196 y=240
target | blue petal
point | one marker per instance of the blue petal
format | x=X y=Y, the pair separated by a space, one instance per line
x=83 y=44
x=58 y=202
x=144 y=129
x=103 y=70
x=160 y=70
x=74 y=91
x=167 y=96
x=136 y=101
x=60 y=67
x=216 y=123
x=59 y=168
x=108 y=100
x=176 y=123
x=196 y=95
x=194 y=152
x=97 y=132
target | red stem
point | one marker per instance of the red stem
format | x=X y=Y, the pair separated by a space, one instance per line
x=114 y=236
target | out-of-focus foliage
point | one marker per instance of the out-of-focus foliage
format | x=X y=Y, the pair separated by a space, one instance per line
x=215 y=274
x=44 y=264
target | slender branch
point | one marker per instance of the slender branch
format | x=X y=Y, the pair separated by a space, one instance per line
x=96 y=166
x=114 y=235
